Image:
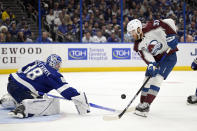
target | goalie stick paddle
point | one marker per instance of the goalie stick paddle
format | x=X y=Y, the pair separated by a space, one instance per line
x=92 y=104
x=108 y=118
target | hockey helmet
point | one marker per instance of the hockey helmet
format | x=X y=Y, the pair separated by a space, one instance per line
x=53 y=60
x=134 y=25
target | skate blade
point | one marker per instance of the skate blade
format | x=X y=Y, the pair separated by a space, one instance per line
x=142 y=114
x=116 y=117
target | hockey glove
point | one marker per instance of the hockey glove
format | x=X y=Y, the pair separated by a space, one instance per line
x=172 y=41
x=152 y=69
x=194 y=64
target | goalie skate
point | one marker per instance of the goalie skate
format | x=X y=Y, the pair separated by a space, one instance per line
x=18 y=112
x=142 y=109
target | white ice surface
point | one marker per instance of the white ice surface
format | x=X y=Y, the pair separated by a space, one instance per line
x=169 y=112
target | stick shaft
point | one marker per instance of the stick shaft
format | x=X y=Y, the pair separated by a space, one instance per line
x=91 y=104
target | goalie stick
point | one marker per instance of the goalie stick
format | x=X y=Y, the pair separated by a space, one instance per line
x=91 y=104
x=115 y=117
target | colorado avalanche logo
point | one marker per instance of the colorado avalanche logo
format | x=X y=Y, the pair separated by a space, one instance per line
x=154 y=47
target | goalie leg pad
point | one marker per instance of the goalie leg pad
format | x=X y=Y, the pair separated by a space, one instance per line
x=7 y=101
x=41 y=107
x=81 y=103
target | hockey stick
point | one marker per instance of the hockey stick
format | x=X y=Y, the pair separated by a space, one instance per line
x=108 y=118
x=91 y=104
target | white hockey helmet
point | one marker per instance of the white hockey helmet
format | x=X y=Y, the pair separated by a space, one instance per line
x=134 y=25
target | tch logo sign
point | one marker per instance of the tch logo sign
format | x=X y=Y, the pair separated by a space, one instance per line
x=121 y=53
x=77 y=53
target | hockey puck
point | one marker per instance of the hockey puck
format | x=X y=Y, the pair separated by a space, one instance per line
x=123 y=96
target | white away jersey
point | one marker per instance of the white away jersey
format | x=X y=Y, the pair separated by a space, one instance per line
x=154 y=43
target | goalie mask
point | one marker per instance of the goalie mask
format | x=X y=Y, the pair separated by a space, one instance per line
x=54 y=61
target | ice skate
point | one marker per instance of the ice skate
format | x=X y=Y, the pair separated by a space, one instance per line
x=18 y=112
x=142 y=109
x=192 y=99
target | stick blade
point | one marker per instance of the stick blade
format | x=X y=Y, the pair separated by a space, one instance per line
x=110 y=118
x=131 y=109
x=116 y=117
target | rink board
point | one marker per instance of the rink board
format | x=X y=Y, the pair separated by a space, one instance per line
x=86 y=57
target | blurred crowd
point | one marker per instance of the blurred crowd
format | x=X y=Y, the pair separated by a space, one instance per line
x=99 y=20
x=147 y=10
x=16 y=29
x=61 y=18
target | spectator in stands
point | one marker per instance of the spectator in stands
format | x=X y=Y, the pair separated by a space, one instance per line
x=2 y=38
x=99 y=37
x=71 y=34
x=26 y=31
x=57 y=23
x=3 y=29
x=62 y=30
x=7 y=14
x=188 y=38
x=10 y=38
x=45 y=38
x=1 y=8
x=67 y=20
x=62 y=4
x=50 y=17
x=22 y=23
x=13 y=30
x=44 y=10
x=7 y=23
x=87 y=38
x=56 y=9
x=21 y=38
x=113 y=38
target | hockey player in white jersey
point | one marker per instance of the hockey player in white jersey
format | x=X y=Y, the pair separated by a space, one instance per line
x=27 y=88
x=192 y=99
x=151 y=43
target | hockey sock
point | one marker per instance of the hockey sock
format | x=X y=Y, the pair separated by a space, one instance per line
x=152 y=93
x=144 y=93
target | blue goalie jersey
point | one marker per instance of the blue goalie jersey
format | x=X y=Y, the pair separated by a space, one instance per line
x=39 y=77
